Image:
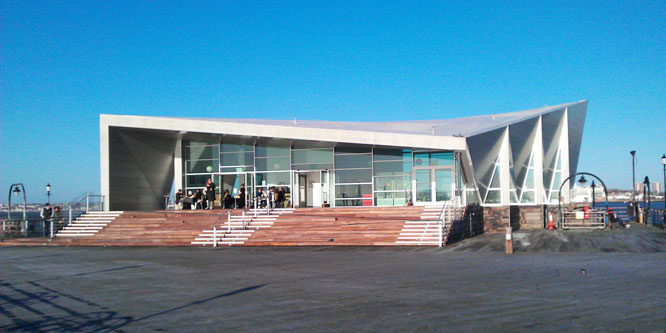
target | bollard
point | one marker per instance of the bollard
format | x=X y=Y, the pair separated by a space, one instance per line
x=509 y=241
x=244 y=220
x=70 y=216
x=229 y=222
x=51 y=229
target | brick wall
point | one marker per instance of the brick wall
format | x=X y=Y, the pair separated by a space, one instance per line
x=531 y=217
x=496 y=219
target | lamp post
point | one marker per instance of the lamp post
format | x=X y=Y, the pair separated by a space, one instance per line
x=48 y=193
x=663 y=162
x=16 y=191
x=633 y=182
x=593 y=186
x=646 y=198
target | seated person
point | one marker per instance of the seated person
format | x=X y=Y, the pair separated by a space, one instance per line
x=227 y=200
x=260 y=198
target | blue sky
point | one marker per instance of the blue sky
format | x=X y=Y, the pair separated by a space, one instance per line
x=64 y=63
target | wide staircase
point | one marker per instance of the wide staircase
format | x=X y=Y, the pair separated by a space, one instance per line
x=88 y=224
x=237 y=228
x=160 y=228
x=347 y=226
x=340 y=226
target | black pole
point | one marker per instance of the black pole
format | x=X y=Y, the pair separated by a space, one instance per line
x=633 y=182
x=593 y=186
x=663 y=189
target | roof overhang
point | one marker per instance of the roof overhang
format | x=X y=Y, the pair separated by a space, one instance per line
x=180 y=125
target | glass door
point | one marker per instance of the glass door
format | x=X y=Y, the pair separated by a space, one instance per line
x=443 y=184
x=324 y=179
x=433 y=184
x=423 y=179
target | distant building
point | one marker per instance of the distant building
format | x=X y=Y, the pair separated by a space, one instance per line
x=655 y=187
x=518 y=158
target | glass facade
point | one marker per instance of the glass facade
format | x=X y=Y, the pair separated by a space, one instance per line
x=349 y=175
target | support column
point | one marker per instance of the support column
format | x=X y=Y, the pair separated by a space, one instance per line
x=104 y=163
x=178 y=166
x=564 y=155
x=538 y=165
x=505 y=172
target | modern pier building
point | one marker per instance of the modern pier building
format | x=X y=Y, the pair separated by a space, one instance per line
x=517 y=158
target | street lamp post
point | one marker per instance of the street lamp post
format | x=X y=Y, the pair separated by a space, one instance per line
x=16 y=191
x=646 y=199
x=663 y=162
x=48 y=192
x=633 y=182
x=593 y=186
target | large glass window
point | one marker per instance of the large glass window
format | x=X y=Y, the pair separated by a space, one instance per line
x=201 y=152
x=494 y=194
x=433 y=159
x=528 y=192
x=265 y=150
x=240 y=159
x=310 y=156
x=272 y=163
x=353 y=176
x=557 y=178
x=272 y=178
x=392 y=170
x=353 y=161
x=312 y=159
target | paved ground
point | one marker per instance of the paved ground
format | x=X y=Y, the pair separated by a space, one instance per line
x=324 y=289
x=637 y=239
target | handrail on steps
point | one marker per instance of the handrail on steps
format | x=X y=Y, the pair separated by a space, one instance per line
x=219 y=222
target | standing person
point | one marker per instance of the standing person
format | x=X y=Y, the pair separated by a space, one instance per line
x=280 y=197
x=198 y=199
x=259 y=197
x=241 y=203
x=179 y=196
x=47 y=216
x=57 y=217
x=272 y=196
x=210 y=194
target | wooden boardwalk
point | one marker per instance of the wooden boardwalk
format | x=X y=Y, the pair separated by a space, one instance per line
x=638 y=238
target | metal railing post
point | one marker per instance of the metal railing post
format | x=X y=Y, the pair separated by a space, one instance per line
x=87 y=203
x=214 y=236
x=3 y=229
x=51 y=228
x=243 y=220
x=70 y=216
x=229 y=222
x=441 y=226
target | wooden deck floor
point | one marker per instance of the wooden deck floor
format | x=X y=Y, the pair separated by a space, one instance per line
x=638 y=238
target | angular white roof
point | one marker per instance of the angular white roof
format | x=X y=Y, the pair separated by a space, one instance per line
x=463 y=127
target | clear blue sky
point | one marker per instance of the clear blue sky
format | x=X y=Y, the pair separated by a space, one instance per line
x=64 y=63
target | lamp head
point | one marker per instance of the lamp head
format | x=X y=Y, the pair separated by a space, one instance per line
x=593 y=184
x=663 y=159
x=646 y=181
x=582 y=180
x=48 y=187
x=633 y=153
x=16 y=191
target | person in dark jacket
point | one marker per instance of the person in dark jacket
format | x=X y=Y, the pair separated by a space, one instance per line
x=241 y=201
x=198 y=199
x=179 y=197
x=47 y=216
x=210 y=194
